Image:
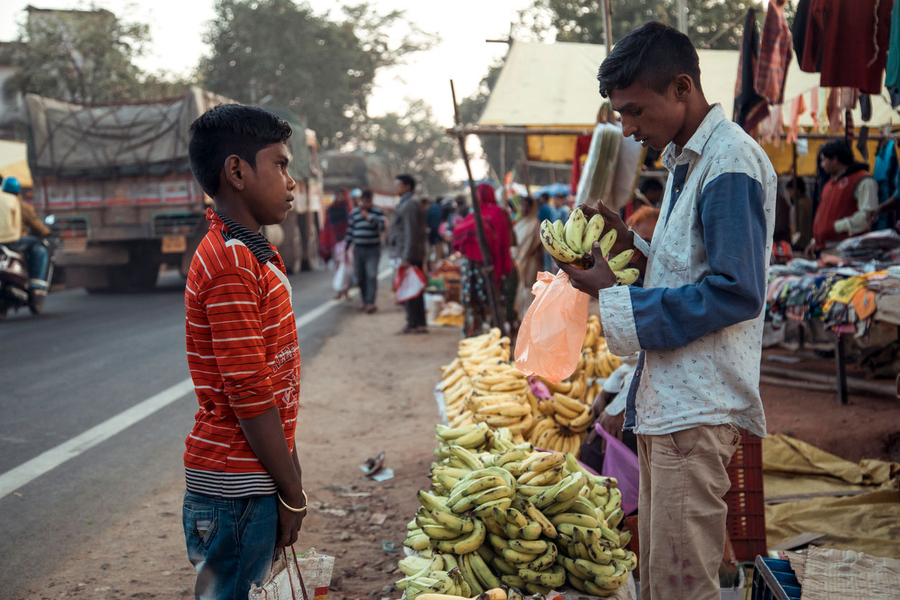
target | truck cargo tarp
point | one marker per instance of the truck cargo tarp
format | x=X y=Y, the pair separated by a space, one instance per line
x=70 y=140
x=550 y=85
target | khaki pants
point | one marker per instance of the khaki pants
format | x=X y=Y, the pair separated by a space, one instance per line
x=682 y=514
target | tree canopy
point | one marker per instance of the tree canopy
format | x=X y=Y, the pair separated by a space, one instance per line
x=323 y=68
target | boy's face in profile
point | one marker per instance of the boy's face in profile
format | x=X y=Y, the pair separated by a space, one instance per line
x=269 y=191
x=653 y=119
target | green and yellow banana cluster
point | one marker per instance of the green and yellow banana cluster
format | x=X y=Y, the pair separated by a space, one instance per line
x=572 y=243
x=502 y=515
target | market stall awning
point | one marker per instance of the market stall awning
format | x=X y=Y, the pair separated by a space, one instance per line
x=555 y=85
x=14 y=162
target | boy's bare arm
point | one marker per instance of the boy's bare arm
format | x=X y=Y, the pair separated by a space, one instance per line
x=266 y=437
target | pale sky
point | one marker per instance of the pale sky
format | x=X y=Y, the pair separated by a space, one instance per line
x=176 y=27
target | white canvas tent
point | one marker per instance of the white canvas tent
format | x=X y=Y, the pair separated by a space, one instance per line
x=556 y=85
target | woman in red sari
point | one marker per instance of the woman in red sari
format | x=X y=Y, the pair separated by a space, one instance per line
x=499 y=241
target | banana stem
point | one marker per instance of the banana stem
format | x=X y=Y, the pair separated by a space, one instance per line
x=488 y=268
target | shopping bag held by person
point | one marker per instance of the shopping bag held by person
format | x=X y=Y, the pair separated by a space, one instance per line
x=552 y=333
x=410 y=283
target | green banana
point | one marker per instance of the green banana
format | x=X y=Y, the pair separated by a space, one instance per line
x=575 y=519
x=514 y=581
x=627 y=276
x=621 y=260
x=512 y=531
x=485 y=509
x=468 y=574
x=452 y=521
x=574 y=230
x=554 y=245
x=532 y=531
x=498 y=542
x=594 y=569
x=432 y=502
x=487 y=579
x=530 y=547
x=504 y=566
x=472 y=541
x=624 y=538
x=592 y=233
x=545 y=560
x=559 y=507
x=615 y=517
x=614 y=581
x=514 y=516
x=436 y=532
x=516 y=557
x=555 y=576
x=607 y=242
x=573 y=568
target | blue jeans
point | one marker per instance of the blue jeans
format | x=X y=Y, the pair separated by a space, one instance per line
x=365 y=260
x=36 y=256
x=231 y=543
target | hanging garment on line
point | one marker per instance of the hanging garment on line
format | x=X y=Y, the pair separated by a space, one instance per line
x=892 y=69
x=774 y=54
x=749 y=106
x=847 y=42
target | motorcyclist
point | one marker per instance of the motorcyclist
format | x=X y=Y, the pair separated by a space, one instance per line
x=31 y=230
x=10 y=219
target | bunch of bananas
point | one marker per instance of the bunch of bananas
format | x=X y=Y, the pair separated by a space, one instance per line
x=483 y=355
x=572 y=243
x=500 y=398
x=502 y=514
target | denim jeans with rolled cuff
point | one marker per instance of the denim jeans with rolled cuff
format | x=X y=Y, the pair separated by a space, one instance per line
x=230 y=541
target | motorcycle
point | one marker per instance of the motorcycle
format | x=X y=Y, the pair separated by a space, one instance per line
x=15 y=288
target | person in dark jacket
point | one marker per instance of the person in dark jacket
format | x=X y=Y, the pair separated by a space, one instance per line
x=407 y=240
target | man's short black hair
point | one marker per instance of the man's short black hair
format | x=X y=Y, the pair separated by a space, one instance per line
x=366 y=195
x=797 y=184
x=651 y=184
x=840 y=150
x=409 y=180
x=231 y=129
x=653 y=55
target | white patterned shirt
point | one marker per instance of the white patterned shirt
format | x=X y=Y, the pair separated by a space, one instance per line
x=699 y=316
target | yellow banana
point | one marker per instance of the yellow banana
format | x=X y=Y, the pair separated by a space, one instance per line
x=516 y=557
x=574 y=519
x=530 y=547
x=472 y=541
x=532 y=531
x=453 y=522
x=485 y=577
x=504 y=566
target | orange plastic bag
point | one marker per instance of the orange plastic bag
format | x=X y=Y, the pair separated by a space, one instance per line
x=552 y=333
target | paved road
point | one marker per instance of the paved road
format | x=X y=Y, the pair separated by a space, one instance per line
x=88 y=358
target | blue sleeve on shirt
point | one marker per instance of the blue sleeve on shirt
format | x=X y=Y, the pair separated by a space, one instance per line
x=732 y=211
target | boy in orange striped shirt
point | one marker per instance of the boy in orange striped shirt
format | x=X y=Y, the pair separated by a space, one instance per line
x=244 y=484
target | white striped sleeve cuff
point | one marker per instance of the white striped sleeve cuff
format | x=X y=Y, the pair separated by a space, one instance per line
x=641 y=245
x=617 y=318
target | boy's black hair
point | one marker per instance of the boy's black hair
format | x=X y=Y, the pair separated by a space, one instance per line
x=797 y=184
x=231 y=129
x=366 y=194
x=840 y=150
x=651 y=184
x=407 y=179
x=653 y=55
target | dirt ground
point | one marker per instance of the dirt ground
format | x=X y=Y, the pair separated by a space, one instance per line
x=365 y=392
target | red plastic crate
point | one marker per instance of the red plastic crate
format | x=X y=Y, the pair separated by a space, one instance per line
x=746 y=522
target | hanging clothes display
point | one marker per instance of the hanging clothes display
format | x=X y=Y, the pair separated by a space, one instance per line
x=892 y=70
x=749 y=106
x=885 y=171
x=798 y=31
x=774 y=54
x=798 y=107
x=847 y=42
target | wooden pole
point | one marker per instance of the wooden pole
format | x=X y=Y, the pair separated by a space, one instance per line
x=607 y=26
x=488 y=268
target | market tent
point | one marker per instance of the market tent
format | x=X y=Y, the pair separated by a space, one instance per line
x=555 y=85
x=14 y=162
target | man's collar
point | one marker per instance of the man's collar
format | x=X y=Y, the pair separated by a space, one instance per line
x=695 y=145
x=406 y=196
x=231 y=229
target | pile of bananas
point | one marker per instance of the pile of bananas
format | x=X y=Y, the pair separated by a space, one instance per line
x=503 y=514
x=572 y=243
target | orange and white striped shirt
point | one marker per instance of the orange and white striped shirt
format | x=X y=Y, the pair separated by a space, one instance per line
x=243 y=356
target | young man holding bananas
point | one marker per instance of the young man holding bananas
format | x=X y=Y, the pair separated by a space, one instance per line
x=698 y=318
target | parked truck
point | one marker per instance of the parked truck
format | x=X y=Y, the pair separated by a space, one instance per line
x=360 y=169
x=118 y=182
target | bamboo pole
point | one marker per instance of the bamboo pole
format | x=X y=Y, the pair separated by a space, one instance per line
x=488 y=268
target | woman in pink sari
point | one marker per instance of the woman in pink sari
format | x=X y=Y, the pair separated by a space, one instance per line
x=499 y=241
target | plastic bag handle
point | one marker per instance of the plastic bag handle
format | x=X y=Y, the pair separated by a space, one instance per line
x=299 y=575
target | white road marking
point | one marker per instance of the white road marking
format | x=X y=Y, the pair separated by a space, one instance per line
x=49 y=460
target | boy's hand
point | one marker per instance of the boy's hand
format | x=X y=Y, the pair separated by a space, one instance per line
x=289 y=523
x=590 y=281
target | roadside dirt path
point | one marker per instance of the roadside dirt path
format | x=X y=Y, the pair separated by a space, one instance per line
x=367 y=391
